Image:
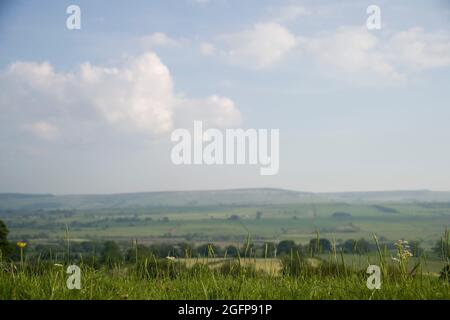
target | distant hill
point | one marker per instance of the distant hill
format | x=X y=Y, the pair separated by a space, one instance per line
x=390 y=196
x=234 y=197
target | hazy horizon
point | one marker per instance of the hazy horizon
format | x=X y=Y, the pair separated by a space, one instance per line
x=226 y=189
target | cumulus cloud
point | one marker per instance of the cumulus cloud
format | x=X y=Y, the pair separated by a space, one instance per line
x=160 y=39
x=348 y=50
x=261 y=46
x=289 y=12
x=355 y=49
x=138 y=96
x=420 y=50
x=215 y=111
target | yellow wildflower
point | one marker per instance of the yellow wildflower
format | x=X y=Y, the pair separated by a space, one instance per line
x=21 y=244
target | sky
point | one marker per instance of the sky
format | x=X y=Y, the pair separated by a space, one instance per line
x=92 y=110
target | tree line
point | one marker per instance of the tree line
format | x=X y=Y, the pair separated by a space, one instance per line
x=111 y=252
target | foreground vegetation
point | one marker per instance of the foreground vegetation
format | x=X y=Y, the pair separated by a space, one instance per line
x=294 y=275
x=160 y=279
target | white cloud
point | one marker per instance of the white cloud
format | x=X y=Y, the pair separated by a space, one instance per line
x=138 y=96
x=215 y=111
x=355 y=49
x=260 y=47
x=207 y=49
x=420 y=50
x=160 y=39
x=289 y=12
x=350 y=50
x=43 y=130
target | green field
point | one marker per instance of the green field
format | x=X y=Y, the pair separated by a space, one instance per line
x=231 y=224
x=228 y=218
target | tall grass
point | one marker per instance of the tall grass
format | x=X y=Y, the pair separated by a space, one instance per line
x=300 y=277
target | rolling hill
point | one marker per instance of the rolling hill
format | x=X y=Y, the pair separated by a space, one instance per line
x=234 y=197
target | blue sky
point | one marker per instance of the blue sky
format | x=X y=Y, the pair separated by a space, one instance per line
x=357 y=109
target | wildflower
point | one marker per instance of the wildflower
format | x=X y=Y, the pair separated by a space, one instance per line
x=402 y=257
x=21 y=244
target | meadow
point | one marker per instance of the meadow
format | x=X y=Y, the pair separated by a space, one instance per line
x=76 y=229
x=221 y=279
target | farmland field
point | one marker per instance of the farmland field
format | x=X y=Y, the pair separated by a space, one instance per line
x=230 y=222
x=236 y=243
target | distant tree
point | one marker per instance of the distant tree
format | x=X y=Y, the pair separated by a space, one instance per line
x=233 y=217
x=3 y=231
x=268 y=249
x=207 y=250
x=442 y=248
x=259 y=215
x=248 y=249
x=286 y=247
x=416 y=250
x=141 y=252
x=349 y=246
x=317 y=246
x=5 y=247
x=163 y=250
x=111 y=253
x=165 y=219
x=47 y=251
x=385 y=209
x=445 y=273
x=232 y=251
x=362 y=246
x=341 y=215
x=89 y=247
x=184 y=249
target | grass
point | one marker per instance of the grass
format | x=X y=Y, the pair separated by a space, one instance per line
x=246 y=278
x=121 y=284
x=333 y=276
